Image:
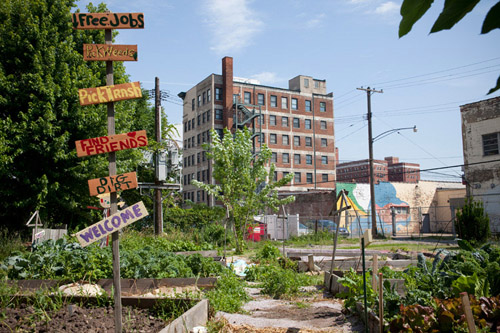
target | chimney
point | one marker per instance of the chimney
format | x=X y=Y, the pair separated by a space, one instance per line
x=227 y=91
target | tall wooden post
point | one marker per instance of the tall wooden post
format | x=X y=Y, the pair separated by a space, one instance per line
x=157 y=192
x=113 y=196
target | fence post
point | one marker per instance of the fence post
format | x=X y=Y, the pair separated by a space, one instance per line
x=393 y=216
x=468 y=313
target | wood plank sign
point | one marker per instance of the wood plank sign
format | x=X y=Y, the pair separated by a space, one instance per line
x=111 y=184
x=109 y=52
x=111 y=224
x=106 y=94
x=107 y=144
x=108 y=20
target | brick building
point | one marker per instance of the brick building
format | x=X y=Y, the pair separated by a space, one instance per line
x=387 y=170
x=296 y=123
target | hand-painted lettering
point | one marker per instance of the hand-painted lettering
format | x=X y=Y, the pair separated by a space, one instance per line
x=108 y=20
x=137 y=210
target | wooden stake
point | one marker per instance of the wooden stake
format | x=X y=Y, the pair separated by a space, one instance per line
x=113 y=196
x=374 y=272
x=310 y=262
x=381 y=302
x=468 y=312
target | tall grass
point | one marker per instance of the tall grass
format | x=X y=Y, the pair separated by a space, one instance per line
x=10 y=242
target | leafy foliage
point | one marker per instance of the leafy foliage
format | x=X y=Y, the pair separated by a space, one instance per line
x=453 y=12
x=229 y=294
x=473 y=224
x=243 y=182
x=148 y=257
x=41 y=70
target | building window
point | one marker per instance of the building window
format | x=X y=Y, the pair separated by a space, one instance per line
x=309 y=178
x=192 y=104
x=198 y=139
x=218 y=114
x=285 y=173
x=203 y=157
x=209 y=95
x=285 y=140
x=296 y=122
x=295 y=104
x=199 y=119
x=261 y=137
x=274 y=157
x=308 y=141
x=218 y=94
x=275 y=176
x=272 y=139
x=308 y=106
x=307 y=124
x=324 y=177
x=199 y=100
x=274 y=101
x=316 y=84
x=286 y=158
x=323 y=125
x=296 y=140
x=284 y=103
x=260 y=99
x=322 y=106
x=192 y=123
x=324 y=142
x=296 y=158
x=247 y=98
x=272 y=120
x=324 y=159
x=204 y=98
x=296 y=178
x=306 y=83
x=208 y=115
x=284 y=121
x=260 y=120
x=220 y=131
x=490 y=144
x=204 y=117
x=309 y=159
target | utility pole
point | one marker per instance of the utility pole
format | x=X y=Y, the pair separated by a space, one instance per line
x=370 y=151
x=157 y=191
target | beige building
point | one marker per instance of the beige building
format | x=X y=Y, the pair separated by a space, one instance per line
x=481 y=144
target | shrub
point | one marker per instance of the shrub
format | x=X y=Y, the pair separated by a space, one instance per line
x=229 y=294
x=472 y=222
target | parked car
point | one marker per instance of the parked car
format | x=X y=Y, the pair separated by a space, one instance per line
x=331 y=227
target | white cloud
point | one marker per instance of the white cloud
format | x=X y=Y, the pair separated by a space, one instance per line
x=313 y=23
x=387 y=8
x=267 y=78
x=233 y=25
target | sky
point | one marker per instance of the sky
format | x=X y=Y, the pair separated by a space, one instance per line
x=350 y=44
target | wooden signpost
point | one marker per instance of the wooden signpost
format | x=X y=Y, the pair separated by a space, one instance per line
x=112 y=223
x=111 y=143
x=110 y=93
x=121 y=182
x=100 y=52
x=108 y=21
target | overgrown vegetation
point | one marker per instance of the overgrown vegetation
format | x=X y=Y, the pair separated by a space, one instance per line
x=229 y=294
x=432 y=290
x=472 y=222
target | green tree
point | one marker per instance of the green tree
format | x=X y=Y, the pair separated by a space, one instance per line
x=41 y=70
x=244 y=184
x=473 y=224
x=453 y=12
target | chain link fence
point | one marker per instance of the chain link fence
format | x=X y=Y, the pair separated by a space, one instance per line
x=406 y=221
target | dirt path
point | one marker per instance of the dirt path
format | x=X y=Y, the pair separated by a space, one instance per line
x=307 y=313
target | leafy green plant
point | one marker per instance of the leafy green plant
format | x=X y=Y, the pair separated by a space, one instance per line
x=229 y=294
x=354 y=282
x=268 y=252
x=472 y=222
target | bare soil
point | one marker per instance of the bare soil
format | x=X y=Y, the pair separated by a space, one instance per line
x=73 y=318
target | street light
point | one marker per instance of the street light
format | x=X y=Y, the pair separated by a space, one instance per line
x=372 y=185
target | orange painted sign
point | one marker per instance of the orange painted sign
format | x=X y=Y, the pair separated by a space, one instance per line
x=111 y=184
x=107 y=144
x=105 y=94
x=108 y=20
x=101 y=52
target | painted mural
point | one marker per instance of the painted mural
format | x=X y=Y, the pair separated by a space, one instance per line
x=357 y=219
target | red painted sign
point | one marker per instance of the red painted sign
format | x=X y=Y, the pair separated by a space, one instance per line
x=108 y=20
x=111 y=184
x=109 y=52
x=107 y=144
x=114 y=93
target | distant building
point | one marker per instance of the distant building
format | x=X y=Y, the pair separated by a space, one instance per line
x=481 y=144
x=296 y=123
x=387 y=170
